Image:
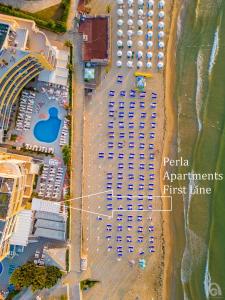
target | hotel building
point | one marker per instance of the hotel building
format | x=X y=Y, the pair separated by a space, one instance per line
x=25 y=53
x=17 y=173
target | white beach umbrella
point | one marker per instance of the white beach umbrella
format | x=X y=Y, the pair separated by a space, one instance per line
x=130 y=12
x=149 y=24
x=130 y=22
x=150 y=14
x=140 y=22
x=161 y=4
x=140 y=2
x=139 y=64
x=139 y=54
x=119 y=12
x=119 y=2
x=130 y=2
x=149 y=65
x=129 y=43
x=140 y=32
x=149 y=44
x=150 y=3
x=129 y=33
x=130 y=64
x=119 y=43
x=161 y=25
x=161 y=45
x=161 y=14
x=119 y=22
x=129 y=53
x=160 y=65
x=140 y=12
x=119 y=53
x=149 y=55
x=119 y=63
x=161 y=34
x=119 y=32
x=160 y=55
x=149 y=34
x=140 y=43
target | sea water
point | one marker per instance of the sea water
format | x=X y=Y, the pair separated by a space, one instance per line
x=200 y=102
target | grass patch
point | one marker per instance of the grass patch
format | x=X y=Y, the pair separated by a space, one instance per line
x=53 y=18
x=54 y=12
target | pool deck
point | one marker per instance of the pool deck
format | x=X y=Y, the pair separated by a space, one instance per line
x=43 y=102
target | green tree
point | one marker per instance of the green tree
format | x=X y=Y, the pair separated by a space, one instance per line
x=108 y=8
x=36 y=277
x=68 y=43
x=87 y=284
x=66 y=154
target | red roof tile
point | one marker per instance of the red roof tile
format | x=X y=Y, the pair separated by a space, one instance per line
x=96 y=46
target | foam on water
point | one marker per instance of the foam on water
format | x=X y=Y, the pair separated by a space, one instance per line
x=207 y=279
x=199 y=88
x=214 y=51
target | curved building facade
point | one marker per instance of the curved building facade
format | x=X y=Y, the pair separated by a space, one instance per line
x=24 y=52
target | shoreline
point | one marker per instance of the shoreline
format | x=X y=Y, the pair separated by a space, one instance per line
x=167 y=149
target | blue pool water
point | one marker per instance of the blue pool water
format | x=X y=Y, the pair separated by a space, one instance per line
x=48 y=130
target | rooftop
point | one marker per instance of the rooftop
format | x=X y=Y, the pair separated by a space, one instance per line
x=5 y=195
x=95 y=32
x=4 y=28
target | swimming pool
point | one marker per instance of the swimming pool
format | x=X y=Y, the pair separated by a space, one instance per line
x=1 y=268
x=47 y=130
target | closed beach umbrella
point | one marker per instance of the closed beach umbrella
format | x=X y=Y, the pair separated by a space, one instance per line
x=140 y=22
x=140 y=54
x=130 y=12
x=140 y=12
x=161 y=34
x=129 y=53
x=119 y=12
x=139 y=32
x=139 y=64
x=119 y=43
x=119 y=63
x=130 y=2
x=130 y=22
x=149 y=55
x=161 y=4
x=119 y=53
x=149 y=44
x=120 y=22
x=161 y=45
x=130 y=64
x=161 y=25
x=161 y=14
x=149 y=34
x=160 y=55
x=149 y=24
x=129 y=44
x=140 y=44
x=120 y=32
x=160 y=65
x=150 y=3
x=140 y=2
x=129 y=32
x=149 y=65
x=150 y=14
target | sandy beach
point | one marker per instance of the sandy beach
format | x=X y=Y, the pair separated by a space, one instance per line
x=119 y=279
x=169 y=145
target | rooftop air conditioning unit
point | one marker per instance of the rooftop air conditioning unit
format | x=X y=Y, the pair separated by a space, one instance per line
x=85 y=37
